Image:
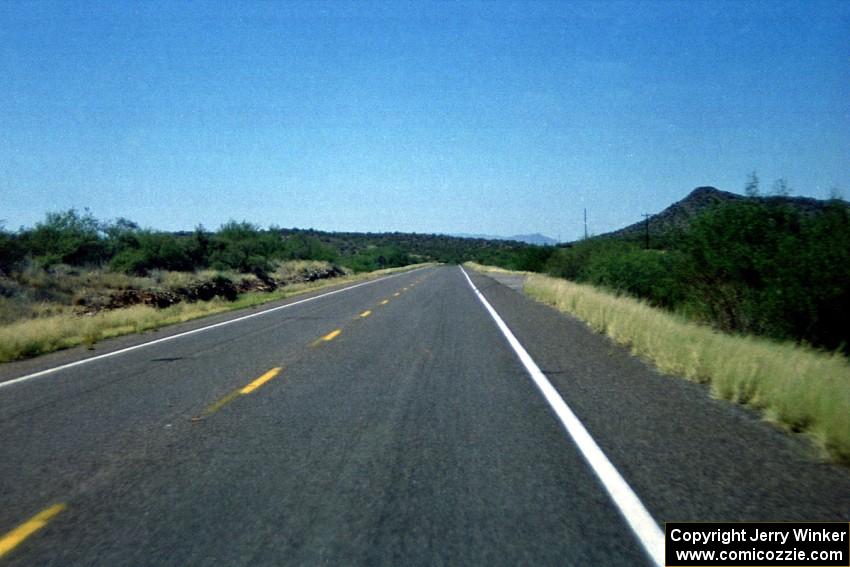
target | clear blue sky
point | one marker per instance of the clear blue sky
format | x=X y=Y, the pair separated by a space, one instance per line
x=485 y=117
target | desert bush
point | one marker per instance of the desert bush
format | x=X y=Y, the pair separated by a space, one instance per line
x=303 y=247
x=770 y=270
x=68 y=237
x=650 y=274
x=12 y=253
x=376 y=258
x=744 y=267
x=151 y=250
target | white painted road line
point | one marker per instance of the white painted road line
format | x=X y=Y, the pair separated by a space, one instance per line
x=192 y=332
x=635 y=513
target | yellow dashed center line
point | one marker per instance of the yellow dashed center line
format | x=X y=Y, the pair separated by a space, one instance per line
x=220 y=404
x=275 y=371
x=268 y=375
x=239 y=392
x=14 y=538
x=332 y=335
x=260 y=381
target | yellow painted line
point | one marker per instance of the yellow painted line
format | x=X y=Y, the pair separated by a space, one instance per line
x=219 y=404
x=332 y=335
x=396 y=294
x=366 y=313
x=211 y=409
x=14 y=538
x=260 y=381
x=384 y=302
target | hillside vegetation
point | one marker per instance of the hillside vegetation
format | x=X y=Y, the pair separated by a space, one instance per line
x=73 y=279
x=732 y=293
x=121 y=246
x=744 y=267
x=54 y=325
x=777 y=267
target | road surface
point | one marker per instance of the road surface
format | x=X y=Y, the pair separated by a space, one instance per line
x=389 y=423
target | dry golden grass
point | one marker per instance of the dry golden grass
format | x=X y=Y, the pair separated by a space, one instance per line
x=293 y=270
x=795 y=387
x=35 y=336
x=799 y=388
x=494 y=269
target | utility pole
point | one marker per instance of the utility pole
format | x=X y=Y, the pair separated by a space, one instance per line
x=585 y=223
x=646 y=217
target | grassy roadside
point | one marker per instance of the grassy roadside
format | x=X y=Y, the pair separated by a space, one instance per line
x=32 y=337
x=495 y=269
x=798 y=388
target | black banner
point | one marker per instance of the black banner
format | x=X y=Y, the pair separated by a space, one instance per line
x=756 y=544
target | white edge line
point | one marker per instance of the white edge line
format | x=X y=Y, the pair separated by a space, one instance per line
x=193 y=331
x=635 y=513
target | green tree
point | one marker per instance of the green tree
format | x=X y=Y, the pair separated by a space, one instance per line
x=751 y=188
x=67 y=237
x=781 y=188
x=244 y=247
x=152 y=251
x=12 y=253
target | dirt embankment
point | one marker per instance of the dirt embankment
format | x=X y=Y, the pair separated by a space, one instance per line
x=203 y=290
x=200 y=291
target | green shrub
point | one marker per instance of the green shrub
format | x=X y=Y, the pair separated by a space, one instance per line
x=747 y=266
x=67 y=237
x=376 y=258
x=303 y=247
x=770 y=270
x=12 y=253
x=571 y=262
x=648 y=274
x=152 y=251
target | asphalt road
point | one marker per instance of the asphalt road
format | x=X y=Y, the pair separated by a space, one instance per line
x=392 y=424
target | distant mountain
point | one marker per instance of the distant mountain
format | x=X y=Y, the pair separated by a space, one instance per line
x=679 y=214
x=536 y=238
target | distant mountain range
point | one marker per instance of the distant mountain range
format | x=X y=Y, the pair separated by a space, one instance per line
x=679 y=214
x=536 y=238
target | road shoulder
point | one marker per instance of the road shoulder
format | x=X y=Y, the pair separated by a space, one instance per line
x=688 y=456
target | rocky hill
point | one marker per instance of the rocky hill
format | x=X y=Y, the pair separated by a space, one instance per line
x=679 y=214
